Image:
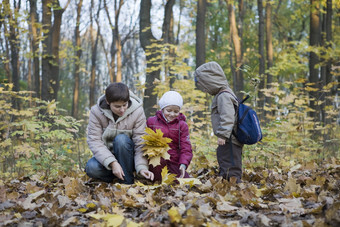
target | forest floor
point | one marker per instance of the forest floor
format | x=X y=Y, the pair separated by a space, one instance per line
x=302 y=195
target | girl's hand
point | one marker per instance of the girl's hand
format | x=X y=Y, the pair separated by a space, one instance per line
x=220 y=141
x=117 y=170
x=182 y=168
x=147 y=174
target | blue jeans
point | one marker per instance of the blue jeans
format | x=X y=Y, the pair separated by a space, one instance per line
x=123 y=150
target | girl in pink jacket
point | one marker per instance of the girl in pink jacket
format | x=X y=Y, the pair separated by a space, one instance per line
x=173 y=125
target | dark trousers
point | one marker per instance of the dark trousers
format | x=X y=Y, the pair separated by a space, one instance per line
x=230 y=162
x=123 y=150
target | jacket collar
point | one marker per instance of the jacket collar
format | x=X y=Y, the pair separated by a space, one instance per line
x=160 y=116
x=135 y=103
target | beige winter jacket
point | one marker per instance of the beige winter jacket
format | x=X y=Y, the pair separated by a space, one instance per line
x=210 y=78
x=102 y=129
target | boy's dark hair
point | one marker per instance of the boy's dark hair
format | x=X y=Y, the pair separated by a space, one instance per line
x=117 y=92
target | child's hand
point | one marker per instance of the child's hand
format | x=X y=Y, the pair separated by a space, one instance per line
x=117 y=170
x=220 y=141
x=147 y=174
x=182 y=168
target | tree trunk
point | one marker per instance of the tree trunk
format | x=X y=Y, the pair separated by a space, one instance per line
x=118 y=41
x=200 y=32
x=238 y=80
x=269 y=45
x=112 y=70
x=94 y=47
x=314 y=40
x=57 y=14
x=35 y=47
x=168 y=38
x=76 y=72
x=240 y=22
x=46 y=53
x=328 y=75
x=50 y=60
x=146 y=39
x=116 y=45
x=14 y=45
x=261 y=58
x=5 y=7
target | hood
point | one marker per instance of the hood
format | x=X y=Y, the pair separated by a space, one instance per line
x=135 y=103
x=210 y=78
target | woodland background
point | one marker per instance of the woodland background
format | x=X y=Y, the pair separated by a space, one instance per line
x=57 y=57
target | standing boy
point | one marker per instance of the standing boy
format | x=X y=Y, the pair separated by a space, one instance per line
x=211 y=79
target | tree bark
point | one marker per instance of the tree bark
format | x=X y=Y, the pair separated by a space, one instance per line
x=116 y=44
x=200 y=32
x=168 y=38
x=46 y=53
x=269 y=48
x=14 y=45
x=50 y=60
x=35 y=47
x=118 y=40
x=327 y=68
x=57 y=14
x=94 y=47
x=76 y=72
x=146 y=39
x=238 y=80
x=261 y=58
x=112 y=70
x=5 y=7
x=314 y=40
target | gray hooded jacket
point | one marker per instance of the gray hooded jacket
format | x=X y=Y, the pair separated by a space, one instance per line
x=102 y=129
x=211 y=79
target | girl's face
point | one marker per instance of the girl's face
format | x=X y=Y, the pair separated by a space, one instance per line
x=119 y=107
x=171 y=112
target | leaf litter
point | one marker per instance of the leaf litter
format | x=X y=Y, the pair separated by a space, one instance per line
x=303 y=195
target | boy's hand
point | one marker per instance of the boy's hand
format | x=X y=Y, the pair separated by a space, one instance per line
x=117 y=170
x=220 y=141
x=147 y=174
x=182 y=168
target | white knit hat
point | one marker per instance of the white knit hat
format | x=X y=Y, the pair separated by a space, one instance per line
x=171 y=98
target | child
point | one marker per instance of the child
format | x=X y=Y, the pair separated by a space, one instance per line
x=210 y=78
x=173 y=125
x=115 y=127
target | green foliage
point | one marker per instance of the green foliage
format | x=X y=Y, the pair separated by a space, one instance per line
x=37 y=137
x=292 y=136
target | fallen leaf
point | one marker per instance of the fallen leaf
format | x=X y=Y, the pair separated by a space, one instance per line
x=189 y=181
x=28 y=203
x=175 y=216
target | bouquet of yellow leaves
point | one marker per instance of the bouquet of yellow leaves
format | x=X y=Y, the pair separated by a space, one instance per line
x=156 y=146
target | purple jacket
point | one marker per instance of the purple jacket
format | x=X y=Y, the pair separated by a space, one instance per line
x=180 y=148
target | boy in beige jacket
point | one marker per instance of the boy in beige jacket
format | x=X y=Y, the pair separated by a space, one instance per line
x=114 y=131
x=211 y=79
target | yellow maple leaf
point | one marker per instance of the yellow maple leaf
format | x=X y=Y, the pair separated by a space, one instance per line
x=175 y=216
x=51 y=107
x=156 y=146
x=167 y=178
x=111 y=219
x=189 y=181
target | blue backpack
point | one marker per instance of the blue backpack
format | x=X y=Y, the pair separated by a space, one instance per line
x=248 y=129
